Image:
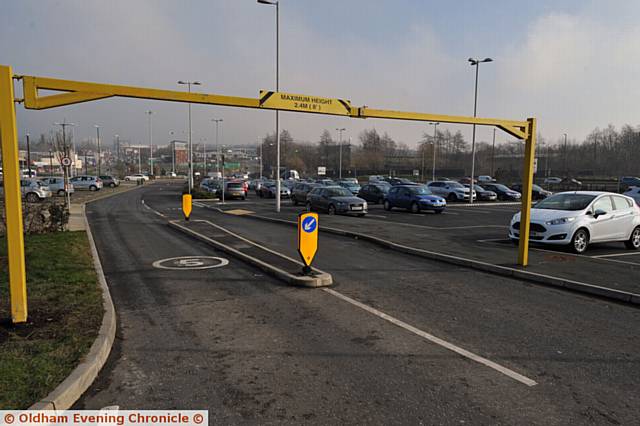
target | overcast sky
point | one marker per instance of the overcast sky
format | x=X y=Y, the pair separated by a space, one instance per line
x=574 y=64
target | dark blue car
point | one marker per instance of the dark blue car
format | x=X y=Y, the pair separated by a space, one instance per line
x=414 y=198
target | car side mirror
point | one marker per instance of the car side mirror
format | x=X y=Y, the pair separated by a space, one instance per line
x=599 y=212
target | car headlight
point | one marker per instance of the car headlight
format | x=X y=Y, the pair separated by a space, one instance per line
x=560 y=221
x=364 y=205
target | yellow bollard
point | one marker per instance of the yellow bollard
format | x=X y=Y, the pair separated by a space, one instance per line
x=12 y=197
x=186 y=205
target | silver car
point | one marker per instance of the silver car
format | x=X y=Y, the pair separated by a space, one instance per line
x=56 y=185
x=32 y=190
x=92 y=183
x=450 y=190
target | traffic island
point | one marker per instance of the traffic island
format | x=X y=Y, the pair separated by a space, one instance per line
x=270 y=261
x=65 y=315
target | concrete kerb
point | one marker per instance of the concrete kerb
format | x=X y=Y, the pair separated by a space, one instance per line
x=319 y=279
x=579 y=287
x=70 y=390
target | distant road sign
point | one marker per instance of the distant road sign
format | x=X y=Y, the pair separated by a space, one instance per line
x=307 y=238
x=322 y=171
x=66 y=161
x=416 y=172
x=304 y=103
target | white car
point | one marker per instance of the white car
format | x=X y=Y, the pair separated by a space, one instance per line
x=137 y=176
x=485 y=178
x=552 y=180
x=452 y=191
x=580 y=218
x=634 y=192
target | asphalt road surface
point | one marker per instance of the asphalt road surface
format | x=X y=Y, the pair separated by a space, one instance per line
x=397 y=340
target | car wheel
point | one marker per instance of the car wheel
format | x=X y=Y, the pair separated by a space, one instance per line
x=438 y=211
x=387 y=205
x=61 y=192
x=331 y=210
x=361 y=215
x=415 y=208
x=380 y=200
x=452 y=197
x=294 y=201
x=580 y=241
x=112 y=185
x=32 y=198
x=308 y=205
x=127 y=179
x=93 y=188
x=634 y=241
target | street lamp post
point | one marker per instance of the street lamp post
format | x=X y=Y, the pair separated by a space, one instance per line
x=151 y=173
x=277 y=5
x=435 y=136
x=217 y=121
x=65 y=153
x=340 y=160
x=566 y=171
x=117 y=148
x=190 y=147
x=99 y=161
x=29 y=155
x=476 y=63
x=260 y=146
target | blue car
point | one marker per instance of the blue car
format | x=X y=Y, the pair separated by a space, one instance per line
x=414 y=198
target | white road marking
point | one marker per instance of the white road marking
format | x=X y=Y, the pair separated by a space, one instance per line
x=450 y=346
x=411 y=225
x=616 y=255
x=491 y=240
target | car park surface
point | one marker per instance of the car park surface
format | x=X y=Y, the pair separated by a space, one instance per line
x=269 y=339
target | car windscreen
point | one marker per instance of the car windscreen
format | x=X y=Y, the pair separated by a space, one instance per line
x=536 y=188
x=571 y=202
x=420 y=190
x=235 y=185
x=338 y=192
x=455 y=185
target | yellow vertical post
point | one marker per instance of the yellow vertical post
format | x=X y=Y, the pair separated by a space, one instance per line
x=12 y=197
x=527 y=182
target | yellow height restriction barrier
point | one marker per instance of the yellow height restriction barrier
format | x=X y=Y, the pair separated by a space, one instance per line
x=73 y=92
x=12 y=197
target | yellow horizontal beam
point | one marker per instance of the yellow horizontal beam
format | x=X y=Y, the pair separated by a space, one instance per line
x=77 y=92
x=515 y=128
x=88 y=91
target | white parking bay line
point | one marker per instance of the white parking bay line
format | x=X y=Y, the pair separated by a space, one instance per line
x=463 y=352
x=616 y=255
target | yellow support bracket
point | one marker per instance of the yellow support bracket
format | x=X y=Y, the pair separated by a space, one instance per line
x=82 y=92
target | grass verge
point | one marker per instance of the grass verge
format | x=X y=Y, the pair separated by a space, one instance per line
x=65 y=314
